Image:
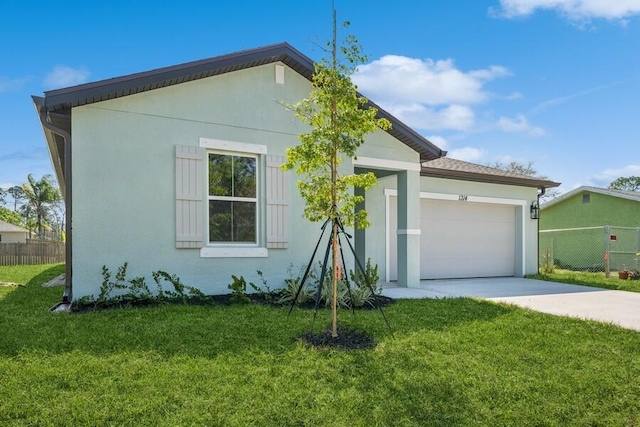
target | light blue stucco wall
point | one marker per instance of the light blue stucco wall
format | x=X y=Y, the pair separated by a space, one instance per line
x=526 y=228
x=124 y=176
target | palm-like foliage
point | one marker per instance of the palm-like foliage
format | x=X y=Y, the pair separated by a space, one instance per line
x=40 y=198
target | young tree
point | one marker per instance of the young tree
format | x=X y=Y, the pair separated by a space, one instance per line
x=339 y=119
x=40 y=197
x=629 y=183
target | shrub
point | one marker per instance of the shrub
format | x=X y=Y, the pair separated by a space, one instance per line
x=239 y=290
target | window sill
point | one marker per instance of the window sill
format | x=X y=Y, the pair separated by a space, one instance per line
x=230 y=252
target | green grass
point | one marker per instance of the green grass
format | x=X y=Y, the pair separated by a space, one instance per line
x=595 y=279
x=450 y=362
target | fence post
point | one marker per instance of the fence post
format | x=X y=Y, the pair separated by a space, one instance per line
x=607 y=248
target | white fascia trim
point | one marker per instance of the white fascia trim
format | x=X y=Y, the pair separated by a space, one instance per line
x=244 y=147
x=456 y=197
x=410 y=231
x=228 y=252
x=384 y=164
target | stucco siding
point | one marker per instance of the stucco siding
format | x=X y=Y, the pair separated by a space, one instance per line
x=599 y=211
x=520 y=197
x=124 y=183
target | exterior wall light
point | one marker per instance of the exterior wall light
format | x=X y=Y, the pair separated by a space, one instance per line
x=534 y=210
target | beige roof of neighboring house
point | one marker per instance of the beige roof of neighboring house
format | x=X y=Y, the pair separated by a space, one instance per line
x=446 y=167
x=10 y=228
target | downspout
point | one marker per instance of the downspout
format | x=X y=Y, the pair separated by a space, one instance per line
x=540 y=194
x=67 y=294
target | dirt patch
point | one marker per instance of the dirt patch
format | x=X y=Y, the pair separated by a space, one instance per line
x=56 y=281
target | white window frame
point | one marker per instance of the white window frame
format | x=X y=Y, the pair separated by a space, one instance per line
x=230 y=249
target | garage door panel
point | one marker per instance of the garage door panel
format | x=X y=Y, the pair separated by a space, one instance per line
x=461 y=239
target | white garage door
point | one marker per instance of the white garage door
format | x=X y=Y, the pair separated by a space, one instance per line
x=460 y=239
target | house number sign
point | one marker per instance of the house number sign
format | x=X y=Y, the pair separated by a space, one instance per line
x=463 y=197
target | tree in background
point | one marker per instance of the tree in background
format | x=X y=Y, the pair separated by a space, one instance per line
x=17 y=193
x=629 y=183
x=339 y=119
x=40 y=197
x=11 y=217
x=3 y=194
x=526 y=170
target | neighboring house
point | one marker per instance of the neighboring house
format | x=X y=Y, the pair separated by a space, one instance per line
x=10 y=233
x=134 y=156
x=580 y=226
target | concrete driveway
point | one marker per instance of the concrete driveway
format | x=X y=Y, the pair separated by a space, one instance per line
x=618 y=307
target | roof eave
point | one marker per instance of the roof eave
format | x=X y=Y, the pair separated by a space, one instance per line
x=487 y=178
x=55 y=156
x=63 y=100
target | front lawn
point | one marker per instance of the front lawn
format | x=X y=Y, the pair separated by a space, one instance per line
x=455 y=362
x=587 y=278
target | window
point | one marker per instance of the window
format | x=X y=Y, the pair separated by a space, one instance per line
x=233 y=199
x=218 y=204
x=586 y=198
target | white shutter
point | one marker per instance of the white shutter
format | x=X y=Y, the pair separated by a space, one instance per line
x=277 y=204
x=189 y=196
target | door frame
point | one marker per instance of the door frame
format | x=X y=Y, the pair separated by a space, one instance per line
x=462 y=198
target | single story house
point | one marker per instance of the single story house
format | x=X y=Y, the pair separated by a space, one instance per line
x=583 y=224
x=10 y=233
x=134 y=156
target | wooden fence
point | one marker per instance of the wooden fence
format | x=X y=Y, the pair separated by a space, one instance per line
x=33 y=252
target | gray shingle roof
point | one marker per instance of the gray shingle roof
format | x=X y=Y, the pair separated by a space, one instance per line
x=5 y=227
x=446 y=167
x=57 y=104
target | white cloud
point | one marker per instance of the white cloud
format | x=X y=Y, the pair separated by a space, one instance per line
x=467 y=154
x=426 y=94
x=605 y=177
x=519 y=124
x=439 y=141
x=573 y=9
x=457 y=117
x=408 y=80
x=63 y=76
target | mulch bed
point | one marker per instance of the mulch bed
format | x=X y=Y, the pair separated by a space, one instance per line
x=347 y=339
x=225 y=299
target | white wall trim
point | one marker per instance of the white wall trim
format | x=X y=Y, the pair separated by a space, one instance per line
x=410 y=231
x=244 y=147
x=229 y=252
x=385 y=164
x=462 y=198
x=387 y=258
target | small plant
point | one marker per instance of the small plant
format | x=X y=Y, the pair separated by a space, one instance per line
x=239 y=290
x=371 y=277
x=263 y=290
x=137 y=290
x=290 y=290
x=108 y=286
x=180 y=290
x=342 y=297
x=361 y=296
x=547 y=264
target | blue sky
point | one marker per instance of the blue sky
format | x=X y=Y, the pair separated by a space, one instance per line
x=554 y=82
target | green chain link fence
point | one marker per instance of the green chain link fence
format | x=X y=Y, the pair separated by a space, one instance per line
x=606 y=248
